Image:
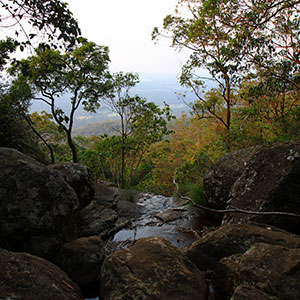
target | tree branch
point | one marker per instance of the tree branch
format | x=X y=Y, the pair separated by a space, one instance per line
x=232 y=209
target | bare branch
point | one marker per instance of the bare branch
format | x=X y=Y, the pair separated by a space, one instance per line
x=232 y=209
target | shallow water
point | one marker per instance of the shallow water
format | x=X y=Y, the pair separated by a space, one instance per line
x=167 y=217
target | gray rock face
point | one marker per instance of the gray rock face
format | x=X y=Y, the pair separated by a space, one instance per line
x=231 y=239
x=80 y=178
x=38 y=209
x=82 y=259
x=222 y=175
x=272 y=269
x=98 y=220
x=151 y=269
x=27 y=277
x=270 y=182
x=107 y=214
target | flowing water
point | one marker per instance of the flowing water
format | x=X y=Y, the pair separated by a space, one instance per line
x=167 y=217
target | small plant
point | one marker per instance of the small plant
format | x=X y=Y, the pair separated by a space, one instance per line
x=128 y=195
x=193 y=191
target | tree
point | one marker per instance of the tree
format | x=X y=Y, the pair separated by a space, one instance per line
x=142 y=123
x=33 y=19
x=213 y=47
x=15 y=131
x=81 y=74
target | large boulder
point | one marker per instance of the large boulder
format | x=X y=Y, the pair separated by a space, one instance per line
x=38 y=209
x=96 y=219
x=222 y=175
x=270 y=183
x=27 y=277
x=108 y=212
x=82 y=259
x=231 y=239
x=80 y=178
x=272 y=269
x=151 y=269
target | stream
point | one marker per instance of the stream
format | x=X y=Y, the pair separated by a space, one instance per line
x=167 y=217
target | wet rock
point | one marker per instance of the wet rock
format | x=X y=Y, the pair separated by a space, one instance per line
x=272 y=269
x=222 y=175
x=169 y=215
x=231 y=239
x=270 y=182
x=27 y=277
x=151 y=269
x=82 y=259
x=80 y=178
x=98 y=220
x=38 y=209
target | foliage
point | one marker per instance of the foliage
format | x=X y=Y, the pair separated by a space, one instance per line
x=14 y=130
x=213 y=46
x=81 y=73
x=33 y=19
x=142 y=123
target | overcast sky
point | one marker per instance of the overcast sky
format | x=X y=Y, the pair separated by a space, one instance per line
x=125 y=27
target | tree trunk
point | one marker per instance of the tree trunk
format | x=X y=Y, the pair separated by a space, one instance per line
x=228 y=112
x=123 y=165
x=72 y=146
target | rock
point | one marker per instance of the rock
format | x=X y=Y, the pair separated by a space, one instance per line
x=272 y=269
x=108 y=212
x=27 y=277
x=107 y=194
x=169 y=215
x=151 y=269
x=98 y=220
x=270 y=182
x=128 y=210
x=243 y=292
x=222 y=175
x=231 y=239
x=38 y=209
x=82 y=259
x=80 y=178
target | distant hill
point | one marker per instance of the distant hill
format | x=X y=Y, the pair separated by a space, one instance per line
x=110 y=127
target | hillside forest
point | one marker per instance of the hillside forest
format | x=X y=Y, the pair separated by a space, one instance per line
x=251 y=50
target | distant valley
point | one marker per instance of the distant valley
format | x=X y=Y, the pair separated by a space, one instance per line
x=153 y=88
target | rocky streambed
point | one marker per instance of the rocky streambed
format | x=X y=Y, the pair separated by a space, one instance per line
x=166 y=217
x=63 y=237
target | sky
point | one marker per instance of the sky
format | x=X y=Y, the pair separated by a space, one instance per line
x=125 y=27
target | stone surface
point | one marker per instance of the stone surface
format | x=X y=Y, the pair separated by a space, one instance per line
x=128 y=210
x=107 y=213
x=272 y=269
x=222 y=175
x=231 y=239
x=82 y=259
x=80 y=178
x=38 y=209
x=27 y=277
x=169 y=215
x=107 y=194
x=151 y=269
x=270 y=182
x=97 y=219
x=243 y=292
